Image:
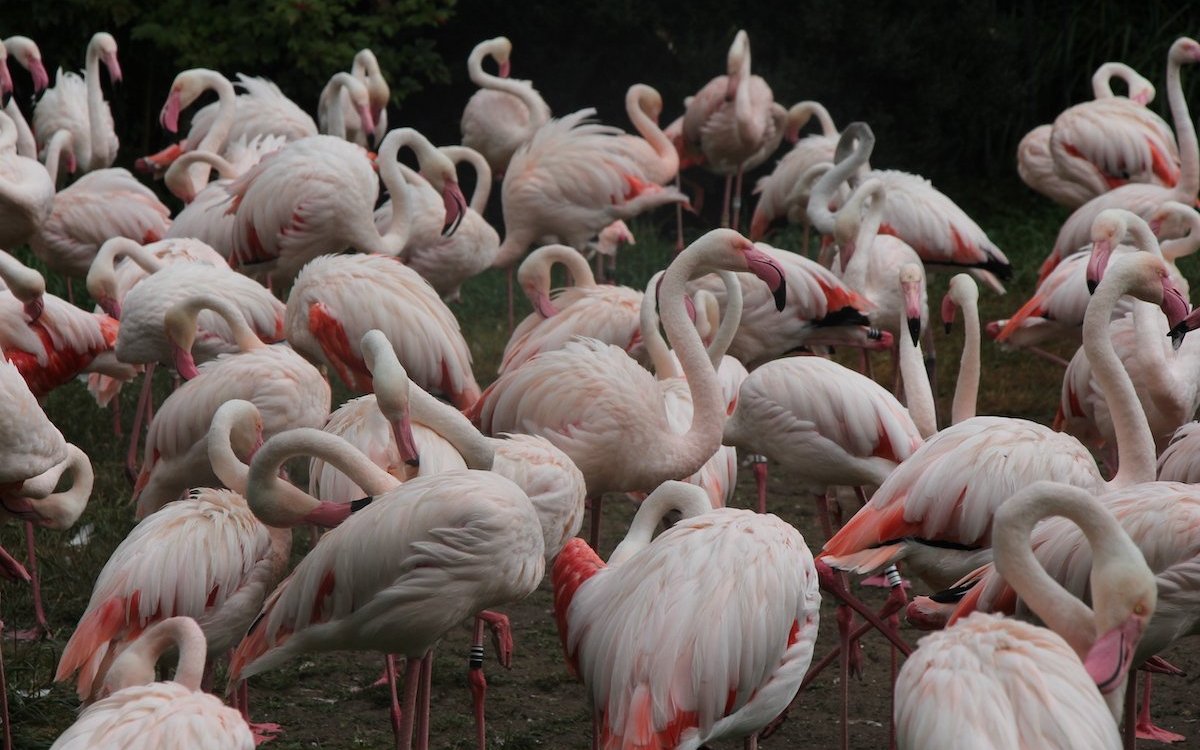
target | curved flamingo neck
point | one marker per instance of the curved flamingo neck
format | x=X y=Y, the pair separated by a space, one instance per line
x=861 y=141
x=218 y=131
x=657 y=350
x=688 y=499
x=95 y=100
x=1185 y=129
x=800 y=114
x=102 y=275
x=25 y=283
x=966 y=390
x=339 y=84
x=483 y=174
x=1014 y=559
x=179 y=171
x=60 y=510
x=61 y=142
x=538 y=111
x=534 y=273
x=918 y=393
x=859 y=220
x=135 y=665
x=731 y=320
x=182 y=321
x=1135 y=443
x=648 y=128
x=1134 y=82
x=1181 y=247
x=8 y=133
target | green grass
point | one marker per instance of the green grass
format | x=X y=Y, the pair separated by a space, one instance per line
x=545 y=708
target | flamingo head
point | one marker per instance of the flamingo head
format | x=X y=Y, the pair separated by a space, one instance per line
x=1184 y=50
x=185 y=89
x=41 y=79
x=107 y=52
x=110 y=305
x=650 y=101
x=540 y=298
x=456 y=207
x=1107 y=230
x=912 y=279
x=500 y=48
x=34 y=307
x=180 y=324
x=1122 y=608
x=737 y=63
x=963 y=291
x=762 y=265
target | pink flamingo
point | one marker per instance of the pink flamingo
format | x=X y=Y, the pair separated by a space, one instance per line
x=260 y=110
x=1140 y=198
x=505 y=113
x=77 y=105
x=25 y=51
x=631 y=630
x=345 y=89
x=364 y=68
x=653 y=150
x=326 y=319
x=26 y=190
x=604 y=312
x=997 y=671
x=935 y=510
x=607 y=413
x=137 y=713
x=283 y=385
x=603 y=251
x=777 y=197
x=316 y=196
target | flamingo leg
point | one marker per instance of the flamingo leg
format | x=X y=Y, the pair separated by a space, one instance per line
x=478 y=683
x=1146 y=730
x=4 y=700
x=725 y=202
x=40 y=627
x=807 y=233
x=758 y=464
x=139 y=418
x=389 y=675
x=70 y=291
x=678 y=221
x=412 y=681
x=737 y=201
x=594 y=534
x=116 y=410
x=262 y=731
x=1048 y=356
x=425 y=693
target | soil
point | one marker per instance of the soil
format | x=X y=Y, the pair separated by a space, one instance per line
x=327 y=701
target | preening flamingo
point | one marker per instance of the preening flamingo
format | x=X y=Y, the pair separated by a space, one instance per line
x=1142 y=199
x=604 y=411
x=998 y=673
x=365 y=68
x=139 y=714
x=25 y=51
x=344 y=93
x=316 y=196
x=949 y=489
x=505 y=113
x=604 y=312
x=777 y=197
x=283 y=385
x=77 y=105
x=662 y=667
x=916 y=212
x=327 y=317
x=26 y=190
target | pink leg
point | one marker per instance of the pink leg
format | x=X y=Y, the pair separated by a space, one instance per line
x=725 y=203
x=1145 y=726
x=759 y=467
x=425 y=693
x=807 y=233
x=40 y=628
x=412 y=681
x=737 y=201
x=594 y=535
x=1048 y=356
x=11 y=568
x=678 y=221
x=70 y=291
x=139 y=418
x=511 y=314
x=478 y=683
x=389 y=676
x=263 y=731
x=845 y=619
x=4 y=700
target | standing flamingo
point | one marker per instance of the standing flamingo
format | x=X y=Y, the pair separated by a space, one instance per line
x=344 y=89
x=661 y=667
x=316 y=196
x=1142 y=199
x=604 y=411
x=776 y=191
x=26 y=190
x=77 y=105
x=364 y=69
x=653 y=149
x=139 y=714
x=996 y=671
x=25 y=51
x=504 y=113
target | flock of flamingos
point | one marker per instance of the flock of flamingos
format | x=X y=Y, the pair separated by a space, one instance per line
x=444 y=500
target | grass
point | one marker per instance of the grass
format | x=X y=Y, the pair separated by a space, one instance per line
x=546 y=707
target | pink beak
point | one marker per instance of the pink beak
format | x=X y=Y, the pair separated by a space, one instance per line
x=505 y=69
x=912 y=309
x=543 y=305
x=114 y=67
x=110 y=306
x=1174 y=305
x=1109 y=659
x=6 y=84
x=169 y=117
x=949 y=310
x=184 y=364
x=764 y=267
x=1142 y=98
x=368 y=120
x=456 y=207
x=405 y=442
x=41 y=79
x=1097 y=263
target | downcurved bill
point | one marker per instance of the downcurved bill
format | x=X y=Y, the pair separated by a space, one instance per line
x=169 y=117
x=1097 y=263
x=402 y=429
x=184 y=364
x=366 y=119
x=912 y=308
x=456 y=207
x=764 y=267
x=1109 y=659
x=114 y=67
x=949 y=312
x=41 y=79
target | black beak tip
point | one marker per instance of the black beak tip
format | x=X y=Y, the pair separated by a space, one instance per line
x=914 y=328
x=947 y=327
x=1091 y=286
x=413 y=462
x=780 y=296
x=1177 y=334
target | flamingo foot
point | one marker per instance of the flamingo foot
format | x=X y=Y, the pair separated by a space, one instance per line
x=264 y=731
x=1149 y=731
x=502 y=639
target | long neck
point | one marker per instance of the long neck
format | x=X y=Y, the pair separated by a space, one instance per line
x=538 y=265
x=869 y=217
x=730 y=321
x=61 y=510
x=1135 y=443
x=395 y=237
x=483 y=174
x=823 y=192
x=180 y=169
x=24 y=282
x=95 y=100
x=278 y=503
x=335 y=124
x=822 y=115
x=1184 y=246
x=665 y=365
x=8 y=133
x=749 y=126
x=703 y=436
x=649 y=129
x=135 y=665
x=918 y=394
x=538 y=111
x=688 y=499
x=1185 y=133
x=60 y=143
x=102 y=276
x=222 y=124
x=243 y=334
x=1102 y=79
x=1014 y=559
x=966 y=390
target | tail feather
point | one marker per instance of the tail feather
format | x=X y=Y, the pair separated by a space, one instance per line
x=90 y=641
x=1032 y=308
x=576 y=563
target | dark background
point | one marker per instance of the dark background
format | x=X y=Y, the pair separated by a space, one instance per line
x=949 y=88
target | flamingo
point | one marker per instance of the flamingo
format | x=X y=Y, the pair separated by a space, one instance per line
x=103 y=204
x=77 y=105
x=997 y=671
x=457 y=543
x=1100 y=140
x=1177 y=462
x=935 y=510
x=505 y=113
x=732 y=120
x=364 y=68
x=603 y=252
x=447 y=261
x=316 y=196
x=283 y=385
x=916 y=212
x=326 y=319
x=344 y=89
x=604 y=312
x=662 y=669
x=777 y=197
x=820 y=310
x=1142 y=199
x=261 y=109
x=25 y=51
x=138 y=713
x=233 y=562
x=26 y=190
x=570 y=180
x=607 y=413
x=653 y=150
